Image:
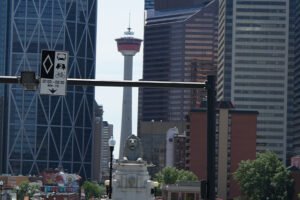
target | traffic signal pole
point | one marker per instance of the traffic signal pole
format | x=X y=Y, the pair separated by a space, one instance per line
x=211 y=137
x=211 y=109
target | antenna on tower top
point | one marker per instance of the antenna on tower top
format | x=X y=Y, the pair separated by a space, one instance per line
x=129 y=21
x=129 y=32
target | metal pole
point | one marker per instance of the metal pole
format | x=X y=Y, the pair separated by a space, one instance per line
x=111 y=83
x=110 y=171
x=211 y=137
x=128 y=83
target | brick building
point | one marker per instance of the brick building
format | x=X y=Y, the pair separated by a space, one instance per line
x=295 y=173
x=235 y=141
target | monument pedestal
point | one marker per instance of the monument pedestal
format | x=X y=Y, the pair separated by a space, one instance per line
x=131 y=181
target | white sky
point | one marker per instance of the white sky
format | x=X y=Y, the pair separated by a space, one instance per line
x=113 y=20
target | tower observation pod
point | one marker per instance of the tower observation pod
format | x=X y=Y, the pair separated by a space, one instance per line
x=128 y=46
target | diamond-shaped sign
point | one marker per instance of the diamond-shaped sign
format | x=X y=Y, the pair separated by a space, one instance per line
x=47 y=64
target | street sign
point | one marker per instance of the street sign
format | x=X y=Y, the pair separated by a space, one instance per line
x=54 y=65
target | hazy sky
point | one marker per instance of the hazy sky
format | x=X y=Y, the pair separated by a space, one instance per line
x=113 y=20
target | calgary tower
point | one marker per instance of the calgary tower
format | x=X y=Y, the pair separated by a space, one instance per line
x=128 y=46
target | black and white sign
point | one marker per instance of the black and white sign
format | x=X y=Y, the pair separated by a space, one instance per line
x=54 y=67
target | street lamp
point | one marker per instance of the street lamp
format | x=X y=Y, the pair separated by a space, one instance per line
x=17 y=191
x=1 y=185
x=111 y=144
x=155 y=185
x=106 y=183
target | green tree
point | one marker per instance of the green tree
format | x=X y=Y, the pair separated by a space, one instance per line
x=27 y=189
x=171 y=175
x=264 y=178
x=102 y=190
x=92 y=189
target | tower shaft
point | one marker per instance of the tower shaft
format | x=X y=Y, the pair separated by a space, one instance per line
x=126 y=126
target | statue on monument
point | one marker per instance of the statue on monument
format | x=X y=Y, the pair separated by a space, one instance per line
x=133 y=150
x=131 y=178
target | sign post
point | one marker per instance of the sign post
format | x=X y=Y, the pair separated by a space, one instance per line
x=54 y=67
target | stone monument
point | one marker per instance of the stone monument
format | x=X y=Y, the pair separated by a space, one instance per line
x=131 y=180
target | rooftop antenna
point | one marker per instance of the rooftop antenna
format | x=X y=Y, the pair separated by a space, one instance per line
x=129 y=32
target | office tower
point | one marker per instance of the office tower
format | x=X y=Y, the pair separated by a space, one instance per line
x=290 y=103
x=296 y=139
x=3 y=21
x=235 y=141
x=107 y=132
x=128 y=46
x=178 y=42
x=253 y=65
x=48 y=131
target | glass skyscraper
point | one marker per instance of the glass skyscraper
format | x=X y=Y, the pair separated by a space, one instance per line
x=42 y=132
x=180 y=44
x=253 y=65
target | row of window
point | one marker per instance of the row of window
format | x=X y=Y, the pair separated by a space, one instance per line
x=268 y=3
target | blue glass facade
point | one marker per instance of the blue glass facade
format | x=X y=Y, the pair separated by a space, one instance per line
x=49 y=131
x=3 y=42
x=149 y=4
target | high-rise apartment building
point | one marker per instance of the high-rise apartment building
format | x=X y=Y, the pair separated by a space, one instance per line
x=47 y=131
x=180 y=39
x=253 y=65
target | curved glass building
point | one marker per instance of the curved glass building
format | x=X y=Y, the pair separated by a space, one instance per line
x=40 y=132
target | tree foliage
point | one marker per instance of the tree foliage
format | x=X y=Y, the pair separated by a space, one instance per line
x=264 y=178
x=92 y=189
x=171 y=175
x=27 y=189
